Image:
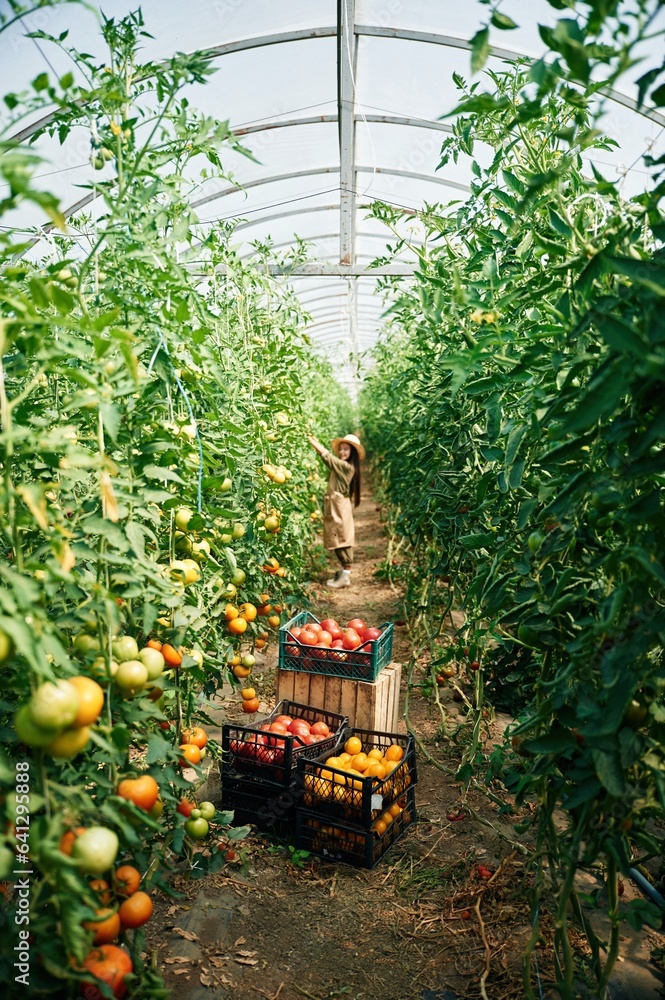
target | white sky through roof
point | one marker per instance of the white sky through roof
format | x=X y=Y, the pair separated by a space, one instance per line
x=276 y=81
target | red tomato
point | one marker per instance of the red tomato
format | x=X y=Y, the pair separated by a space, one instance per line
x=325 y=638
x=308 y=637
x=279 y=727
x=371 y=633
x=295 y=631
x=317 y=739
x=284 y=719
x=109 y=964
x=185 y=807
x=307 y=739
x=351 y=639
x=357 y=624
x=329 y=623
x=337 y=644
x=314 y=627
x=299 y=728
x=320 y=729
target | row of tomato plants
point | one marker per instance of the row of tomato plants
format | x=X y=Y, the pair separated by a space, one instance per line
x=156 y=506
x=515 y=414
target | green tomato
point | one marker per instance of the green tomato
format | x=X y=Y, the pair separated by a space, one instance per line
x=131 y=677
x=226 y=538
x=635 y=714
x=207 y=810
x=226 y=485
x=238 y=530
x=201 y=549
x=238 y=577
x=535 y=540
x=197 y=829
x=182 y=517
x=248 y=660
x=182 y=544
x=153 y=661
x=54 y=706
x=6 y=646
x=95 y=850
x=125 y=647
x=84 y=643
x=7 y=862
x=29 y=732
x=195 y=814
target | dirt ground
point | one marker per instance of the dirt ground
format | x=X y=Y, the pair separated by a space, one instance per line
x=422 y=925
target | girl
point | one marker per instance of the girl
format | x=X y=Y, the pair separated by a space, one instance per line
x=343 y=484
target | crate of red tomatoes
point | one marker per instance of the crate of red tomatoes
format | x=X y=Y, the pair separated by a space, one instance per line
x=356 y=651
x=269 y=750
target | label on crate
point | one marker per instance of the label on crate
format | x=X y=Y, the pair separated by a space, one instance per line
x=377 y=802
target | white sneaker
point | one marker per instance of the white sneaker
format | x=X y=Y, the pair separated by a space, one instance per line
x=343 y=579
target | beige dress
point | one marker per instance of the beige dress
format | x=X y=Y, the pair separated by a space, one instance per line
x=338 y=527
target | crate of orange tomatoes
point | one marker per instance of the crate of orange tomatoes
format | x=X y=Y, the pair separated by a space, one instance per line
x=270 y=750
x=340 y=841
x=361 y=778
x=356 y=651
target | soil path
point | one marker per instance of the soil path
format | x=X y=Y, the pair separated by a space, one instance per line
x=422 y=925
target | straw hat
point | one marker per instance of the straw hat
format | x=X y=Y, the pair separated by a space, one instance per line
x=352 y=440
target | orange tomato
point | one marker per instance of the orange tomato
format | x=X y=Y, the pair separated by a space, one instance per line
x=273 y=621
x=197 y=736
x=394 y=752
x=234 y=661
x=353 y=745
x=171 y=655
x=261 y=643
x=248 y=612
x=91 y=700
x=250 y=706
x=106 y=928
x=240 y=672
x=271 y=566
x=101 y=890
x=263 y=610
x=126 y=880
x=110 y=965
x=281 y=571
x=230 y=612
x=190 y=754
x=68 y=838
x=154 y=644
x=395 y=810
x=136 y=910
x=264 y=598
x=143 y=791
x=237 y=626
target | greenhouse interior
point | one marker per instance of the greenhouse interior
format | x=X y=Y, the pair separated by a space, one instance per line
x=332 y=468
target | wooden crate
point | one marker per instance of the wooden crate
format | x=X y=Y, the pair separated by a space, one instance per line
x=368 y=705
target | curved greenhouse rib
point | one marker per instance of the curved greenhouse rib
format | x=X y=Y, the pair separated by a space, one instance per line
x=275 y=178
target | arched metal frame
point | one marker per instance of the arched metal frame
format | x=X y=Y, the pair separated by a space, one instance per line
x=347 y=32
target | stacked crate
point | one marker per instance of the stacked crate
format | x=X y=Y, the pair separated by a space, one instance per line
x=352 y=818
x=259 y=770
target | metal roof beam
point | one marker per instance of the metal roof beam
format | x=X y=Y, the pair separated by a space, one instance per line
x=334 y=269
x=314 y=171
x=347 y=48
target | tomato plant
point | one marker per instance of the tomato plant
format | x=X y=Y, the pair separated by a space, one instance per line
x=513 y=411
x=136 y=411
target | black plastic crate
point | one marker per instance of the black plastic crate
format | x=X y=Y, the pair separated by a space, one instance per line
x=334 y=793
x=252 y=802
x=244 y=752
x=337 y=841
x=362 y=664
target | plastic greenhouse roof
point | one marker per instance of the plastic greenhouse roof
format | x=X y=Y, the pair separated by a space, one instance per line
x=341 y=104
